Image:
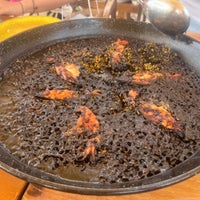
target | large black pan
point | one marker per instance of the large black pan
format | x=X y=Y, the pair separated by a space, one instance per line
x=38 y=38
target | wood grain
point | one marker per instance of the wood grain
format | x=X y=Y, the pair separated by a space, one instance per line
x=194 y=35
x=11 y=188
x=185 y=190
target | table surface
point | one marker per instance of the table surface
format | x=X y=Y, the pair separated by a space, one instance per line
x=13 y=188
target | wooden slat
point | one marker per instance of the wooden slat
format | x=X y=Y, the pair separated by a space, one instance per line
x=122 y=10
x=110 y=9
x=11 y=188
x=185 y=190
x=194 y=35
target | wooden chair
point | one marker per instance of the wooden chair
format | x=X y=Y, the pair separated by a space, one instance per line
x=112 y=9
x=122 y=10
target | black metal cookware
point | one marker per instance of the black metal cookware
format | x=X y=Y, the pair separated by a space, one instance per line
x=41 y=37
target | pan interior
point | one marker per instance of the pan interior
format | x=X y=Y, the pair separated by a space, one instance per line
x=127 y=145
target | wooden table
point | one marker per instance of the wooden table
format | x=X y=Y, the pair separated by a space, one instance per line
x=194 y=35
x=12 y=188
